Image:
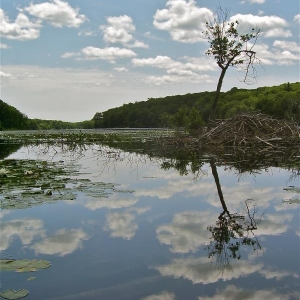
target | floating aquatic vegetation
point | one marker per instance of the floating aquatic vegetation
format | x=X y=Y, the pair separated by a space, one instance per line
x=23 y=265
x=292 y=189
x=3 y=172
x=291 y=201
x=12 y=294
x=80 y=138
x=31 y=278
x=123 y=191
x=32 y=182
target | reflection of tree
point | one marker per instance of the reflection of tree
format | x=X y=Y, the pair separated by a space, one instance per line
x=8 y=149
x=184 y=162
x=231 y=231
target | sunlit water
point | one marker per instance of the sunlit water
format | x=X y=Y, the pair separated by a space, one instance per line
x=150 y=237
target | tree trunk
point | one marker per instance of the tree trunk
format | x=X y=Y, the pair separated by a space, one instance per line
x=213 y=109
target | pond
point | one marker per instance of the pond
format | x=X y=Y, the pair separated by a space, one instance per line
x=112 y=222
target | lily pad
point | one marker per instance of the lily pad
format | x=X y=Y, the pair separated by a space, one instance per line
x=291 y=201
x=12 y=265
x=292 y=189
x=40 y=264
x=49 y=182
x=31 y=278
x=12 y=294
x=69 y=197
x=23 y=265
x=124 y=191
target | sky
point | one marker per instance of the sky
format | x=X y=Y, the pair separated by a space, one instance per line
x=68 y=59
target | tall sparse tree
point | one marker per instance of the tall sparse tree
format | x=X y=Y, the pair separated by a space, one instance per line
x=230 y=48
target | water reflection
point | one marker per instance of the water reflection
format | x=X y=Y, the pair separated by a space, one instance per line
x=112 y=202
x=231 y=292
x=7 y=149
x=187 y=232
x=26 y=230
x=199 y=270
x=162 y=296
x=231 y=231
x=123 y=224
x=63 y=242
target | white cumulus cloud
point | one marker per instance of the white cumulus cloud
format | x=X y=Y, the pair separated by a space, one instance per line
x=57 y=13
x=297 y=18
x=256 y=1
x=120 y=30
x=22 y=29
x=271 y=26
x=282 y=53
x=5 y=75
x=174 y=79
x=70 y=54
x=165 y=62
x=287 y=46
x=92 y=53
x=110 y=53
x=87 y=33
x=4 y=46
x=184 y=20
x=121 y=69
x=177 y=71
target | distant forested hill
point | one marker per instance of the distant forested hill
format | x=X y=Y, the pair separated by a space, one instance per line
x=11 y=118
x=39 y=124
x=281 y=102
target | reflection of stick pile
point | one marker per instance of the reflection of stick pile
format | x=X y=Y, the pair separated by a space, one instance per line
x=252 y=129
x=247 y=142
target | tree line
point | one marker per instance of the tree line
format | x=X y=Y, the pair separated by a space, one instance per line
x=193 y=110
x=12 y=119
x=190 y=111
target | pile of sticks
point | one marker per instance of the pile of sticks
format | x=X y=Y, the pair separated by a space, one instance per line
x=251 y=129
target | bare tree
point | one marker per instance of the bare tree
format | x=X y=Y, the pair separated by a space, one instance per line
x=230 y=49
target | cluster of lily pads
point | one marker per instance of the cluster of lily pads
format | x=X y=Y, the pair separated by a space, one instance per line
x=80 y=137
x=22 y=266
x=292 y=189
x=26 y=183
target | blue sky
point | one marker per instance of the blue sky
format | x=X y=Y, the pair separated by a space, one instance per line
x=68 y=60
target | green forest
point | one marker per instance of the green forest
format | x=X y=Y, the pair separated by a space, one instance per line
x=13 y=119
x=190 y=111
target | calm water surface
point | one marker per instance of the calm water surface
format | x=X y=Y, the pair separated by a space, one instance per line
x=158 y=235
